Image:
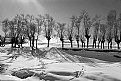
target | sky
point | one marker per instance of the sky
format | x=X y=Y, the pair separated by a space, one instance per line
x=61 y=10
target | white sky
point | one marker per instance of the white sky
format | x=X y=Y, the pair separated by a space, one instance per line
x=61 y=10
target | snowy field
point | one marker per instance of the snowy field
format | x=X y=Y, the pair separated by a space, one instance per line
x=51 y=64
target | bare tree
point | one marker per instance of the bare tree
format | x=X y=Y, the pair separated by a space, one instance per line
x=49 y=25
x=61 y=32
x=111 y=19
x=101 y=36
x=96 y=24
x=23 y=30
x=31 y=29
x=116 y=35
x=19 y=30
x=5 y=28
x=39 y=22
x=14 y=32
x=87 y=26
x=70 y=30
x=119 y=25
x=117 y=31
x=82 y=39
x=77 y=25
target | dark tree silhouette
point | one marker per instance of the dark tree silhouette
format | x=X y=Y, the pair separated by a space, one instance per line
x=2 y=39
x=77 y=25
x=116 y=36
x=23 y=30
x=111 y=19
x=39 y=22
x=49 y=25
x=13 y=33
x=87 y=25
x=31 y=29
x=82 y=39
x=117 y=31
x=70 y=30
x=119 y=25
x=101 y=36
x=96 y=24
x=61 y=32
x=5 y=28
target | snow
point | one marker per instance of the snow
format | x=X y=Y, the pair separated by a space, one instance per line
x=59 y=66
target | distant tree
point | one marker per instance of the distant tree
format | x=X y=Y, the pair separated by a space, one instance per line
x=2 y=40
x=39 y=22
x=70 y=30
x=82 y=39
x=96 y=24
x=17 y=30
x=61 y=32
x=116 y=35
x=12 y=33
x=111 y=19
x=101 y=35
x=31 y=29
x=87 y=25
x=77 y=25
x=23 y=30
x=119 y=25
x=49 y=25
x=5 y=28
x=117 y=31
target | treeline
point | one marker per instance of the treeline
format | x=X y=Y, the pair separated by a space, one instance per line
x=81 y=28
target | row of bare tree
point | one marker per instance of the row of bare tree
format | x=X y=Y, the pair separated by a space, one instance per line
x=81 y=28
x=100 y=29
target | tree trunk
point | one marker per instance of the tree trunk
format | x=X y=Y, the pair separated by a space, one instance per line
x=33 y=42
x=118 y=45
x=71 y=44
x=87 y=37
x=62 y=40
x=15 y=42
x=87 y=42
x=22 y=41
x=111 y=45
x=78 y=43
x=48 y=43
x=93 y=44
x=82 y=44
x=108 y=44
x=36 y=43
x=98 y=44
x=21 y=45
x=103 y=45
x=118 y=42
x=62 y=43
x=30 y=42
x=4 y=41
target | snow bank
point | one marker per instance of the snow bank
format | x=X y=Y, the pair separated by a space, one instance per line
x=59 y=66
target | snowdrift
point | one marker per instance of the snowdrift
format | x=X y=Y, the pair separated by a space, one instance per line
x=55 y=65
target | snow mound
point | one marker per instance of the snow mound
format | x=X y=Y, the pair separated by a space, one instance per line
x=58 y=66
x=55 y=54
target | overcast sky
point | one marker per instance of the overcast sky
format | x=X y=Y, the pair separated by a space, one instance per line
x=61 y=10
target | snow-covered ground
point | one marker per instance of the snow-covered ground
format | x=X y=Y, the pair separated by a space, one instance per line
x=55 y=65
